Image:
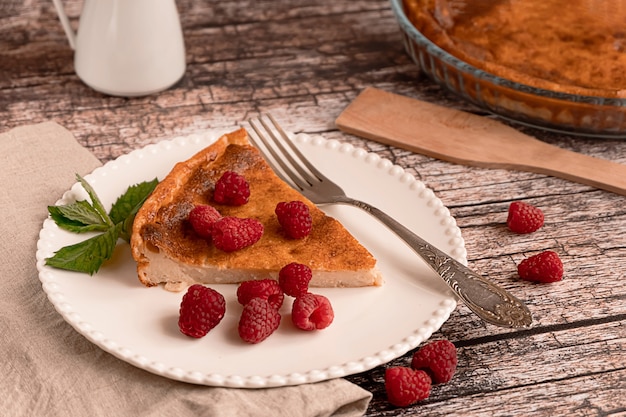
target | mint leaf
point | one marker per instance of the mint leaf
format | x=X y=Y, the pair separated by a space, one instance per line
x=95 y=200
x=129 y=202
x=127 y=224
x=82 y=216
x=78 y=217
x=87 y=256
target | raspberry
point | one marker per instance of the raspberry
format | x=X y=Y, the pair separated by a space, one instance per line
x=312 y=312
x=201 y=309
x=406 y=386
x=202 y=218
x=234 y=233
x=231 y=189
x=267 y=289
x=258 y=320
x=294 y=279
x=438 y=358
x=543 y=267
x=524 y=218
x=295 y=218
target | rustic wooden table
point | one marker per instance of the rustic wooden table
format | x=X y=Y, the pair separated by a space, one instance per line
x=305 y=62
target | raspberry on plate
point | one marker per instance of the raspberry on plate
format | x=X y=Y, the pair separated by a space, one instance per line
x=233 y=233
x=524 y=218
x=201 y=309
x=267 y=289
x=438 y=358
x=543 y=267
x=406 y=386
x=312 y=312
x=295 y=218
x=231 y=189
x=202 y=218
x=294 y=279
x=258 y=321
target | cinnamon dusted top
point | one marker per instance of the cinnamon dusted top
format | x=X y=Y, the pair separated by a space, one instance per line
x=570 y=46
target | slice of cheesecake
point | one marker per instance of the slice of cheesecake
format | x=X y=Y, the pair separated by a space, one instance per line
x=169 y=252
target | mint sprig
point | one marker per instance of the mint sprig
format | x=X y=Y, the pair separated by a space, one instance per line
x=91 y=216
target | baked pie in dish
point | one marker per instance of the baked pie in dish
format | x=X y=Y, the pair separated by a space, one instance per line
x=554 y=64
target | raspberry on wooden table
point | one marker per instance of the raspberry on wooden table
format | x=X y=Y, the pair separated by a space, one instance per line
x=267 y=289
x=201 y=309
x=294 y=279
x=233 y=233
x=438 y=358
x=543 y=267
x=258 y=321
x=295 y=218
x=232 y=189
x=524 y=218
x=312 y=312
x=406 y=386
x=202 y=218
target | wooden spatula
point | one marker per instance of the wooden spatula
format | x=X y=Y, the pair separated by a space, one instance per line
x=464 y=138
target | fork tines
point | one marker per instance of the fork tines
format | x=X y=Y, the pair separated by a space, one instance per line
x=280 y=152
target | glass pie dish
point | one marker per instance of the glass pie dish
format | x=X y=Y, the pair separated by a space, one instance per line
x=522 y=94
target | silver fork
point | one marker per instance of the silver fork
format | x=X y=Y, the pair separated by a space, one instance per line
x=490 y=302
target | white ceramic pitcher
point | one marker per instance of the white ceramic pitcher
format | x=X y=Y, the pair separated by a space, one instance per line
x=127 y=47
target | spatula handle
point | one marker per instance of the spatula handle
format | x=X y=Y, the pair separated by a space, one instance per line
x=576 y=167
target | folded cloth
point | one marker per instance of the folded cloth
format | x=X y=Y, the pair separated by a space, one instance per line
x=48 y=368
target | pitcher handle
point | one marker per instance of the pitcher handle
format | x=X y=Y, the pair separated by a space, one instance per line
x=69 y=32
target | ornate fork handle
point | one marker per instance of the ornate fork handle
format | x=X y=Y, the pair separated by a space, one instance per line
x=490 y=302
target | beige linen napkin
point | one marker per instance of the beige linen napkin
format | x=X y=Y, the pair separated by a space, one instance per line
x=48 y=368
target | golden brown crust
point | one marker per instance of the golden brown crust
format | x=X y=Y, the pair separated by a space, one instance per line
x=564 y=46
x=161 y=225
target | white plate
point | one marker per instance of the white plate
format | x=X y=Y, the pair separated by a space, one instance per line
x=372 y=325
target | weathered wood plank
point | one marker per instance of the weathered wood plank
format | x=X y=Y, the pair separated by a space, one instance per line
x=497 y=377
x=588 y=395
